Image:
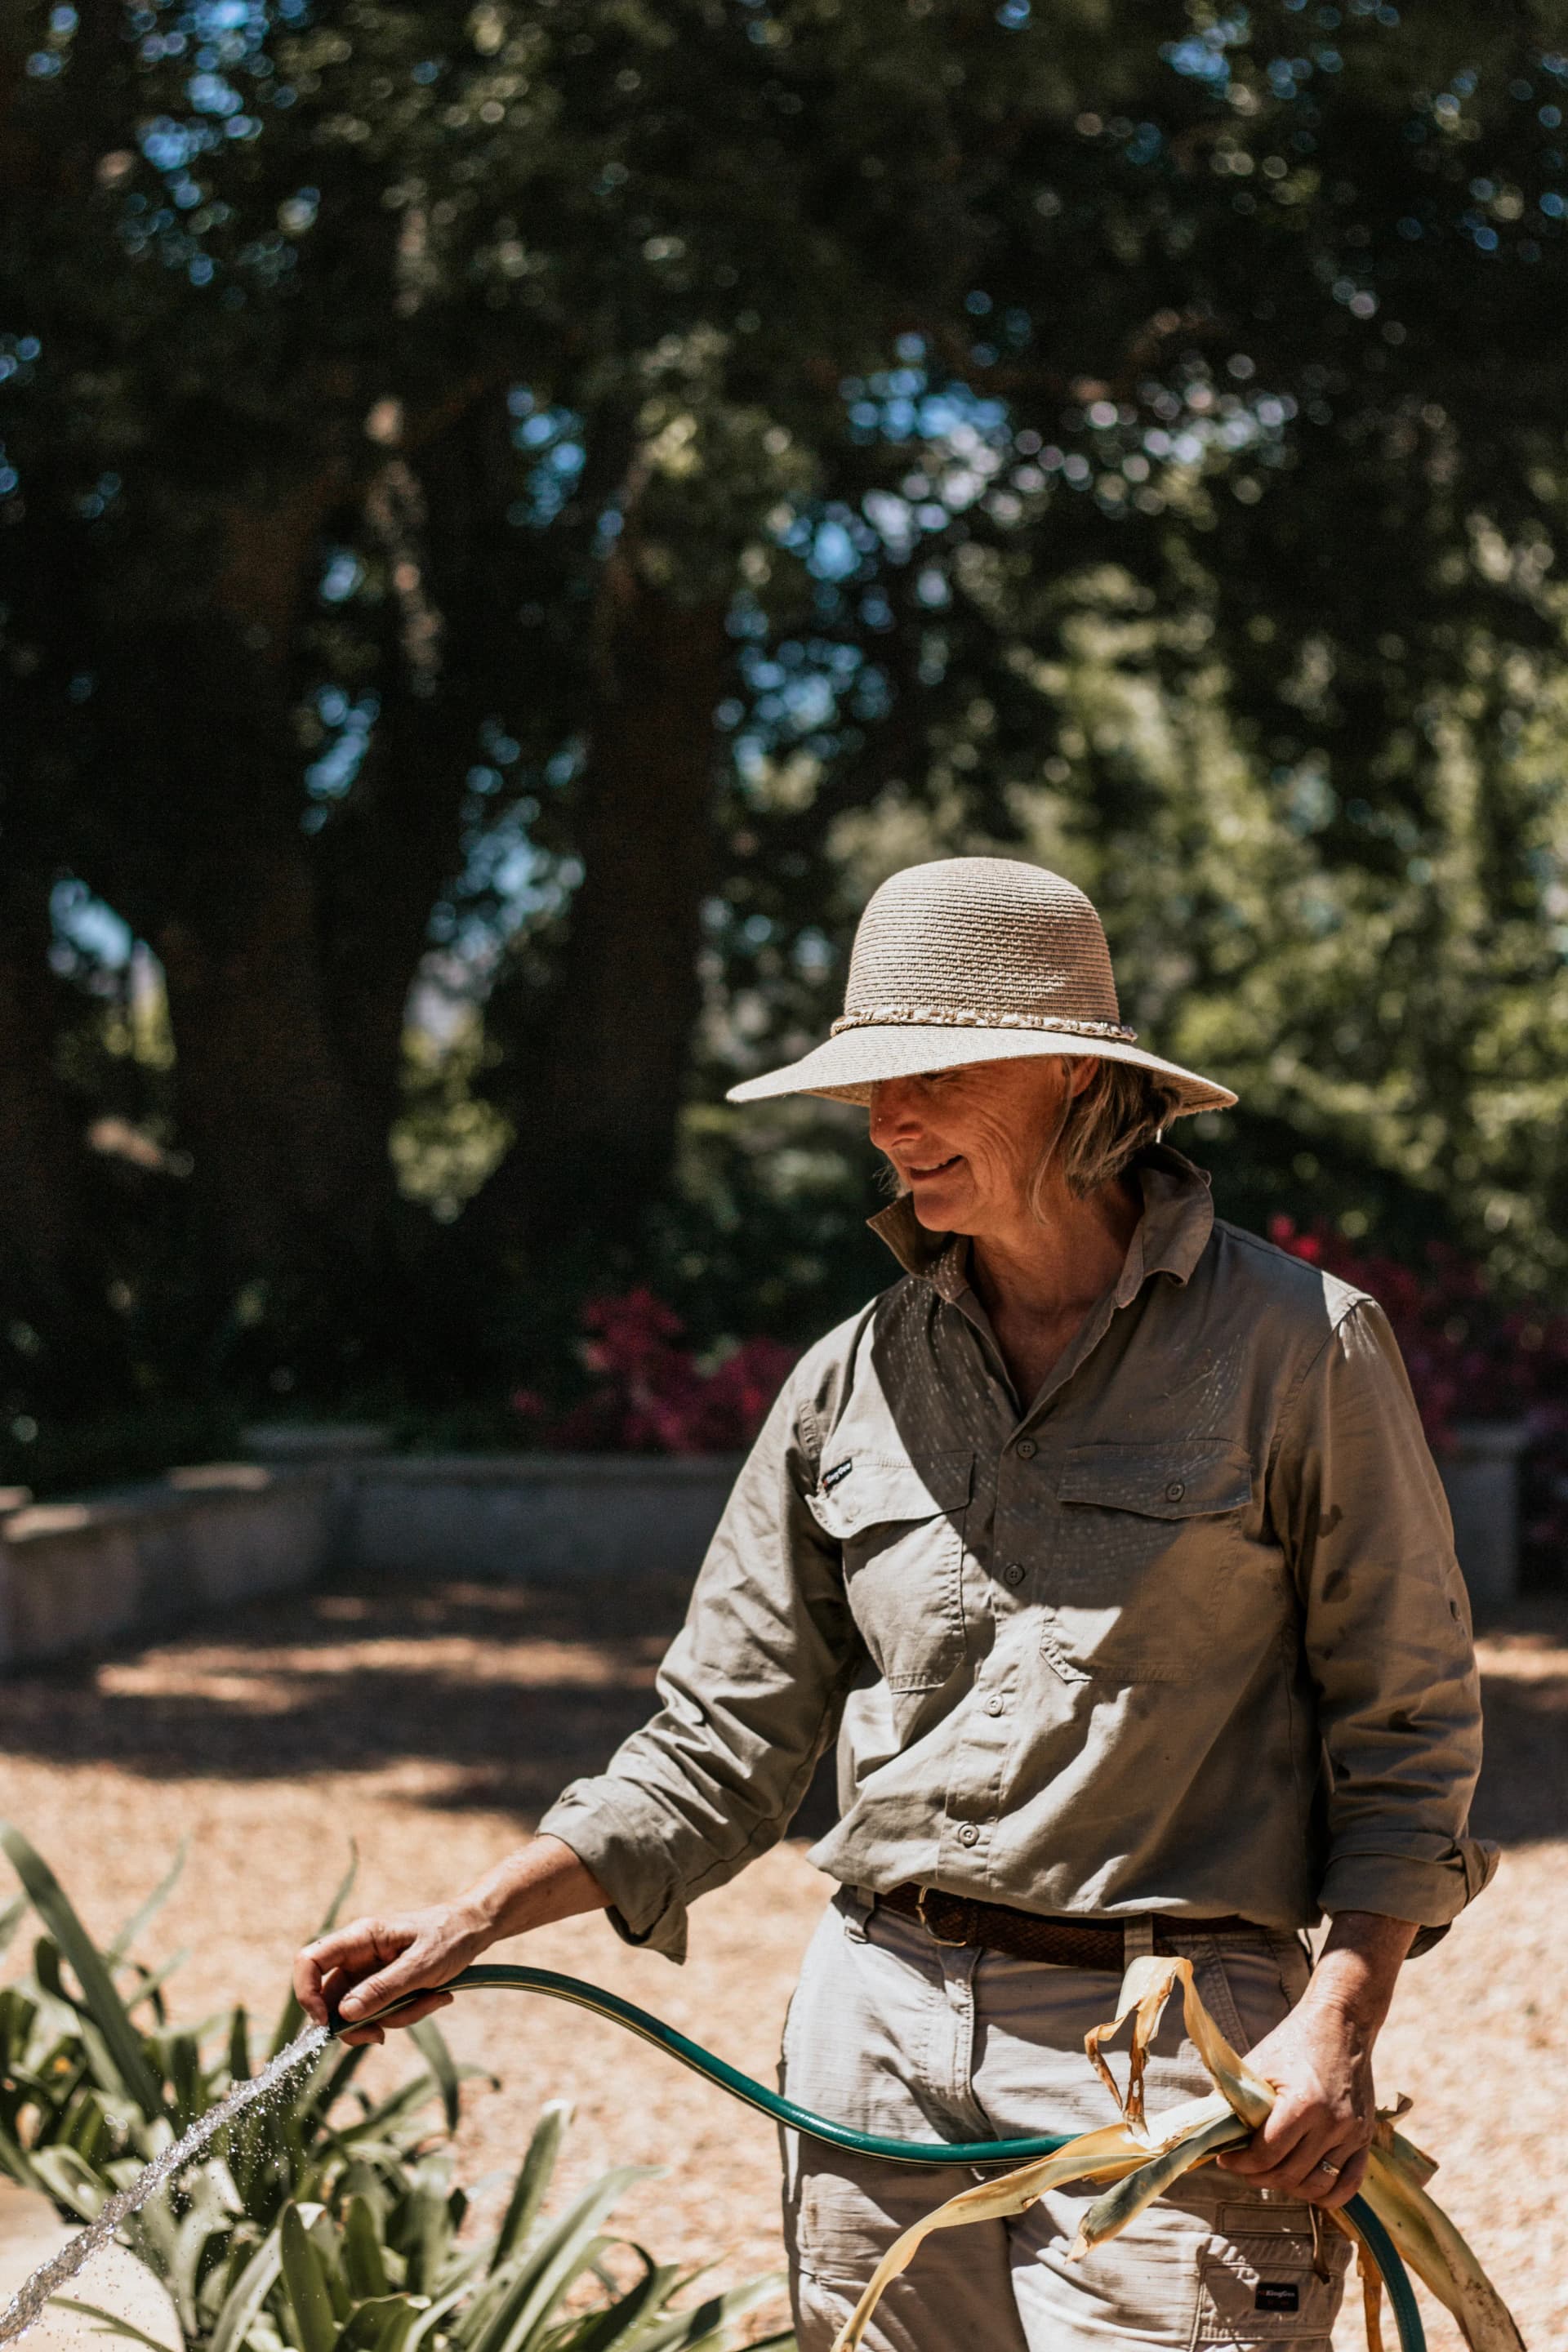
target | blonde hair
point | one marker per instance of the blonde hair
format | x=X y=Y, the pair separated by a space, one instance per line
x=1101 y=1130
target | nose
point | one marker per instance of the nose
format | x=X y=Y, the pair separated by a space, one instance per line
x=895 y=1114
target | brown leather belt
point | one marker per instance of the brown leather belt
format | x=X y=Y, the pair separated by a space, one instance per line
x=1025 y=1936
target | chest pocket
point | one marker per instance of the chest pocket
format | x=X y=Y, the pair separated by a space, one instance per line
x=900 y=1524
x=1145 y=1543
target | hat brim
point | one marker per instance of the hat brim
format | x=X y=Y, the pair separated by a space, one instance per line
x=848 y=1067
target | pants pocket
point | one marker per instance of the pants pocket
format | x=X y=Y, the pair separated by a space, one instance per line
x=1263 y=2286
x=1248 y=1987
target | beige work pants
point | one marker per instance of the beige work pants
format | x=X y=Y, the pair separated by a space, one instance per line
x=891 y=2032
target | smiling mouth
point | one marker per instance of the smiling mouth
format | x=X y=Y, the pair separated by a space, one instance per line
x=937 y=1168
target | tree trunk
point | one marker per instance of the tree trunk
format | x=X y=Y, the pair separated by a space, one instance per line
x=599 y=1118
x=282 y=1167
x=216 y=874
x=387 y=856
x=48 y=1253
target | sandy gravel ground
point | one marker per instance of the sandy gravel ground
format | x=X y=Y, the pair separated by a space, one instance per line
x=431 y=1727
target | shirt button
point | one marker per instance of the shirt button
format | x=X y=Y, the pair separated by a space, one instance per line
x=1014 y=1572
x=969 y=1834
x=1174 y=1491
x=994 y=1706
x=1025 y=1449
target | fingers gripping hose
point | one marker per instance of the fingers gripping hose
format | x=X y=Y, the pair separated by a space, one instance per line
x=495 y=1977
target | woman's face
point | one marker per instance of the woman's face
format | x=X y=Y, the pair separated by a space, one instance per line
x=966 y=1142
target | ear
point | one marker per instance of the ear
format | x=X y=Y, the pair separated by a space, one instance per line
x=1083 y=1071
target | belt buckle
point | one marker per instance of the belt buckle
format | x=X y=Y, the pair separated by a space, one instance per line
x=954 y=1943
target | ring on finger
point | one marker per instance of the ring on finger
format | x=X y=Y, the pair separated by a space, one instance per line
x=1333 y=2170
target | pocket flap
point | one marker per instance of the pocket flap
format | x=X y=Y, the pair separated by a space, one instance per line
x=1188 y=1481
x=857 y=1491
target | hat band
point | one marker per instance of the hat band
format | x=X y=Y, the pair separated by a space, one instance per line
x=937 y=1016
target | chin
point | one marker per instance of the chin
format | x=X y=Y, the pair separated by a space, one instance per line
x=937 y=1209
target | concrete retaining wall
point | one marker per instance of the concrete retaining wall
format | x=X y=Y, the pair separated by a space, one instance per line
x=75 y=1576
x=548 y=1518
x=1480 y=1477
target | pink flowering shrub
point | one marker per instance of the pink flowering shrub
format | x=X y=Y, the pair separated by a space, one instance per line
x=1470 y=1359
x=1439 y=1318
x=651 y=1394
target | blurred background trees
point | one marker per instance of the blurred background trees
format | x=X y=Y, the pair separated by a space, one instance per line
x=513 y=519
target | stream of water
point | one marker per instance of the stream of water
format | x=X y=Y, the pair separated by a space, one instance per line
x=26 y=2305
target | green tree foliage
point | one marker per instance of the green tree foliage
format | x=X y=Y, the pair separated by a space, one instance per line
x=552 y=500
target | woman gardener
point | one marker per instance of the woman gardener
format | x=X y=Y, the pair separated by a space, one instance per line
x=1106 y=1543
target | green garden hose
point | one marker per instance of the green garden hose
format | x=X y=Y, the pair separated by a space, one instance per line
x=497 y=1976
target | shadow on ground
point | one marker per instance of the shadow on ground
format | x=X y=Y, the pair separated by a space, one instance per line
x=516 y=1690
x=1523 y=1793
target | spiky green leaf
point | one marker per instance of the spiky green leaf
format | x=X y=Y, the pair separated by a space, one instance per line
x=534 y=2179
x=58 y=1915
x=245 y=2298
x=114 y=2325
x=305 y=2278
x=291 y=2017
x=431 y=2044
x=146 y=1912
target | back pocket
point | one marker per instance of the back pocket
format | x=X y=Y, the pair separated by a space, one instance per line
x=1146 y=1541
x=900 y=1525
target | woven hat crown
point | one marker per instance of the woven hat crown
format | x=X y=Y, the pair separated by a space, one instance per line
x=976 y=959
x=984 y=942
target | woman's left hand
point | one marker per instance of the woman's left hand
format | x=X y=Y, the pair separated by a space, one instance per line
x=1314 y=2142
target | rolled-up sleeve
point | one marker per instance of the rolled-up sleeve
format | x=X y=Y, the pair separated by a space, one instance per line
x=1364 y=1522
x=751 y=1691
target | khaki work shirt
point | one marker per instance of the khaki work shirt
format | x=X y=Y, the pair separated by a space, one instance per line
x=1182 y=1633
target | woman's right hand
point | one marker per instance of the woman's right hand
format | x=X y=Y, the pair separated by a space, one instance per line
x=353 y=1972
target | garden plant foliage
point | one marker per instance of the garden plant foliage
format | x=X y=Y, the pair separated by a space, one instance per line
x=329 y=2222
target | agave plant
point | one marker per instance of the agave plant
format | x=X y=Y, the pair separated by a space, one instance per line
x=324 y=2220
x=97 y=2081
x=386 y=2267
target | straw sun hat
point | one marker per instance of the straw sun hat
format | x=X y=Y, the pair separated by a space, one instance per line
x=975 y=959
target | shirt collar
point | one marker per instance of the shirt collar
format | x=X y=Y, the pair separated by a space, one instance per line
x=1169 y=1238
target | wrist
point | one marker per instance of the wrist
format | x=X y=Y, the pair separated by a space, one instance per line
x=477 y=1921
x=1358 y=1969
x=1343 y=1990
x=493 y=1907
x=1348 y=2008
x=540 y=1883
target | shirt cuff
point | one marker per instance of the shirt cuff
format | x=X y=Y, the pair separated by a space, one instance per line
x=610 y=1835
x=1432 y=1891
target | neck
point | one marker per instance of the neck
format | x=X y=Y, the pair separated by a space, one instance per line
x=1065 y=1256
x=1038 y=1276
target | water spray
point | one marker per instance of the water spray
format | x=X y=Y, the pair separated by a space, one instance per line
x=26 y=2306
